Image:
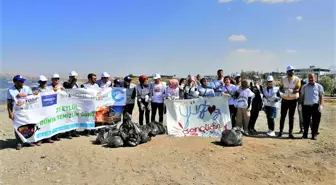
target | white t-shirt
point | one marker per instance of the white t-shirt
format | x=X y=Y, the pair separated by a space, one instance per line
x=158 y=91
x=231 y=89
x=88 y=85
x=242 y=100
x=13 y=92
x=174 y=93
x=206 y=92
x=104 y=85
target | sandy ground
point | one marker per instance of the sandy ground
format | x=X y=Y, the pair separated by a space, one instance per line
x=164 y=160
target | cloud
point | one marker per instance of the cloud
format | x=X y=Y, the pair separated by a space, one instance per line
x=237 y=38
x=299 y=18
x=243 y=50
x=271 y=1
x=252 y=59
x=224 y=1
x=290 y=51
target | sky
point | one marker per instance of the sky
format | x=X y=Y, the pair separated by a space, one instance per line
x=175 y=37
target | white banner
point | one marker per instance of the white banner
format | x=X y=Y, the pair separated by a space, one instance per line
x=207 y=117
x=41 y=116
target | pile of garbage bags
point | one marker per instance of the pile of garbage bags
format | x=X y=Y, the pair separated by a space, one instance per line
x=129 y=133
x=233 y=137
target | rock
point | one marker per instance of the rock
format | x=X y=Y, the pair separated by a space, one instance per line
x=291 y=166
x=43 y=156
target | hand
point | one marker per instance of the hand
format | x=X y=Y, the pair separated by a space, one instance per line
x=149 y=107
x=169 y=98
x=290 y=91
x=320 y=108
x=11 y=116
x=36 y=93
x=142 y=106
x=248 y=113
x=300 y=108
x=20 y=95
x=248 y=109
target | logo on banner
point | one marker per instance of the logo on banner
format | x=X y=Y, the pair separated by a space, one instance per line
x=49 y=100
x=118 y=95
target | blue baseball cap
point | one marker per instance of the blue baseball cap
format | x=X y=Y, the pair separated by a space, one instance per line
x=117 y=81
x=127 y=79
x=18 y=78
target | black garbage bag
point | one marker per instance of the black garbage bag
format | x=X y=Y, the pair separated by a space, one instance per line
x=102 y=136
x=162 y=129
x=145 y=133
x=233 y=137
x=115 y=142
x=154 y=129
x=129 y=132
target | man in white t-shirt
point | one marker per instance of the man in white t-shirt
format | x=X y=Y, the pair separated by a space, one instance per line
x=16 y=91
x=157 y=89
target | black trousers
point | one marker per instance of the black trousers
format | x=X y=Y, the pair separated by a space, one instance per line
x=128 y=109
x=145 y=111
x=233 y=113
x=253 y=118
x=155 y=107
x=270 y=114
x=287 y=106
x=311 y=112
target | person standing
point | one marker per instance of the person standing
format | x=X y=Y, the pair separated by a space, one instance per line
x=71 y=84
x=257 y=103
x=190 y=90
x=56 y=86
x=231 y=90
x=198 y=79
x=244 y=104
x=104 y=81
x=173 y=90
x=218 y=84
x=313 y=101
x=91 y=83
x=271 y=102
x=158 y=89
x=289 y=91
x=182 y=87
x=205 y=90
x=42 y=81
x=238 y=80
x=18 y=90
x=303 y=82
x=144 y=98
x=130 y=95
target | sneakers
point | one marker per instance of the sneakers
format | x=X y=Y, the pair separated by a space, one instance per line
x=271 y=133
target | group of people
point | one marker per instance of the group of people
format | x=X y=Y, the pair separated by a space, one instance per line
x=246 y=99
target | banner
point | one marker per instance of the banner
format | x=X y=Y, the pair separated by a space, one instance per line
x=41 y=116
x=207 y=117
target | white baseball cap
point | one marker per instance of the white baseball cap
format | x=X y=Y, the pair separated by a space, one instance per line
x=105 y=74
x=289 y=68
x=55 y=76
x=270 y=79
x=42 y=78
x=73 y=73
x=156 y=76
x=237 y=75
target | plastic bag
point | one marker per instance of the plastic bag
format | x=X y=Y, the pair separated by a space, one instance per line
x=154 y=129
x=129 y=132
x=162 y=129
x=115 y=142
x=145 y=133
x=102 y=136
x=233 y=137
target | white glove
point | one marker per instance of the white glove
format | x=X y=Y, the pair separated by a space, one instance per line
x=149 y=107
x=320 y=108
x=300 y=108
x=249 y=109
x=248 y=112
x=146 y=98
x=142 y=106
x=169 y=98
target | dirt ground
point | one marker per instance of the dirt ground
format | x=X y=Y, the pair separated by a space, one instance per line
x=164 y=160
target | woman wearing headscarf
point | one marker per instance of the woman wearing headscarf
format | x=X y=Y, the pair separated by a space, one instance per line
x=271 y=101
x=144 y=98
x=205 y=90
x=182 y=86
x=257 y=103
x=244 y=104
x=190 y=91
x=173 y=91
